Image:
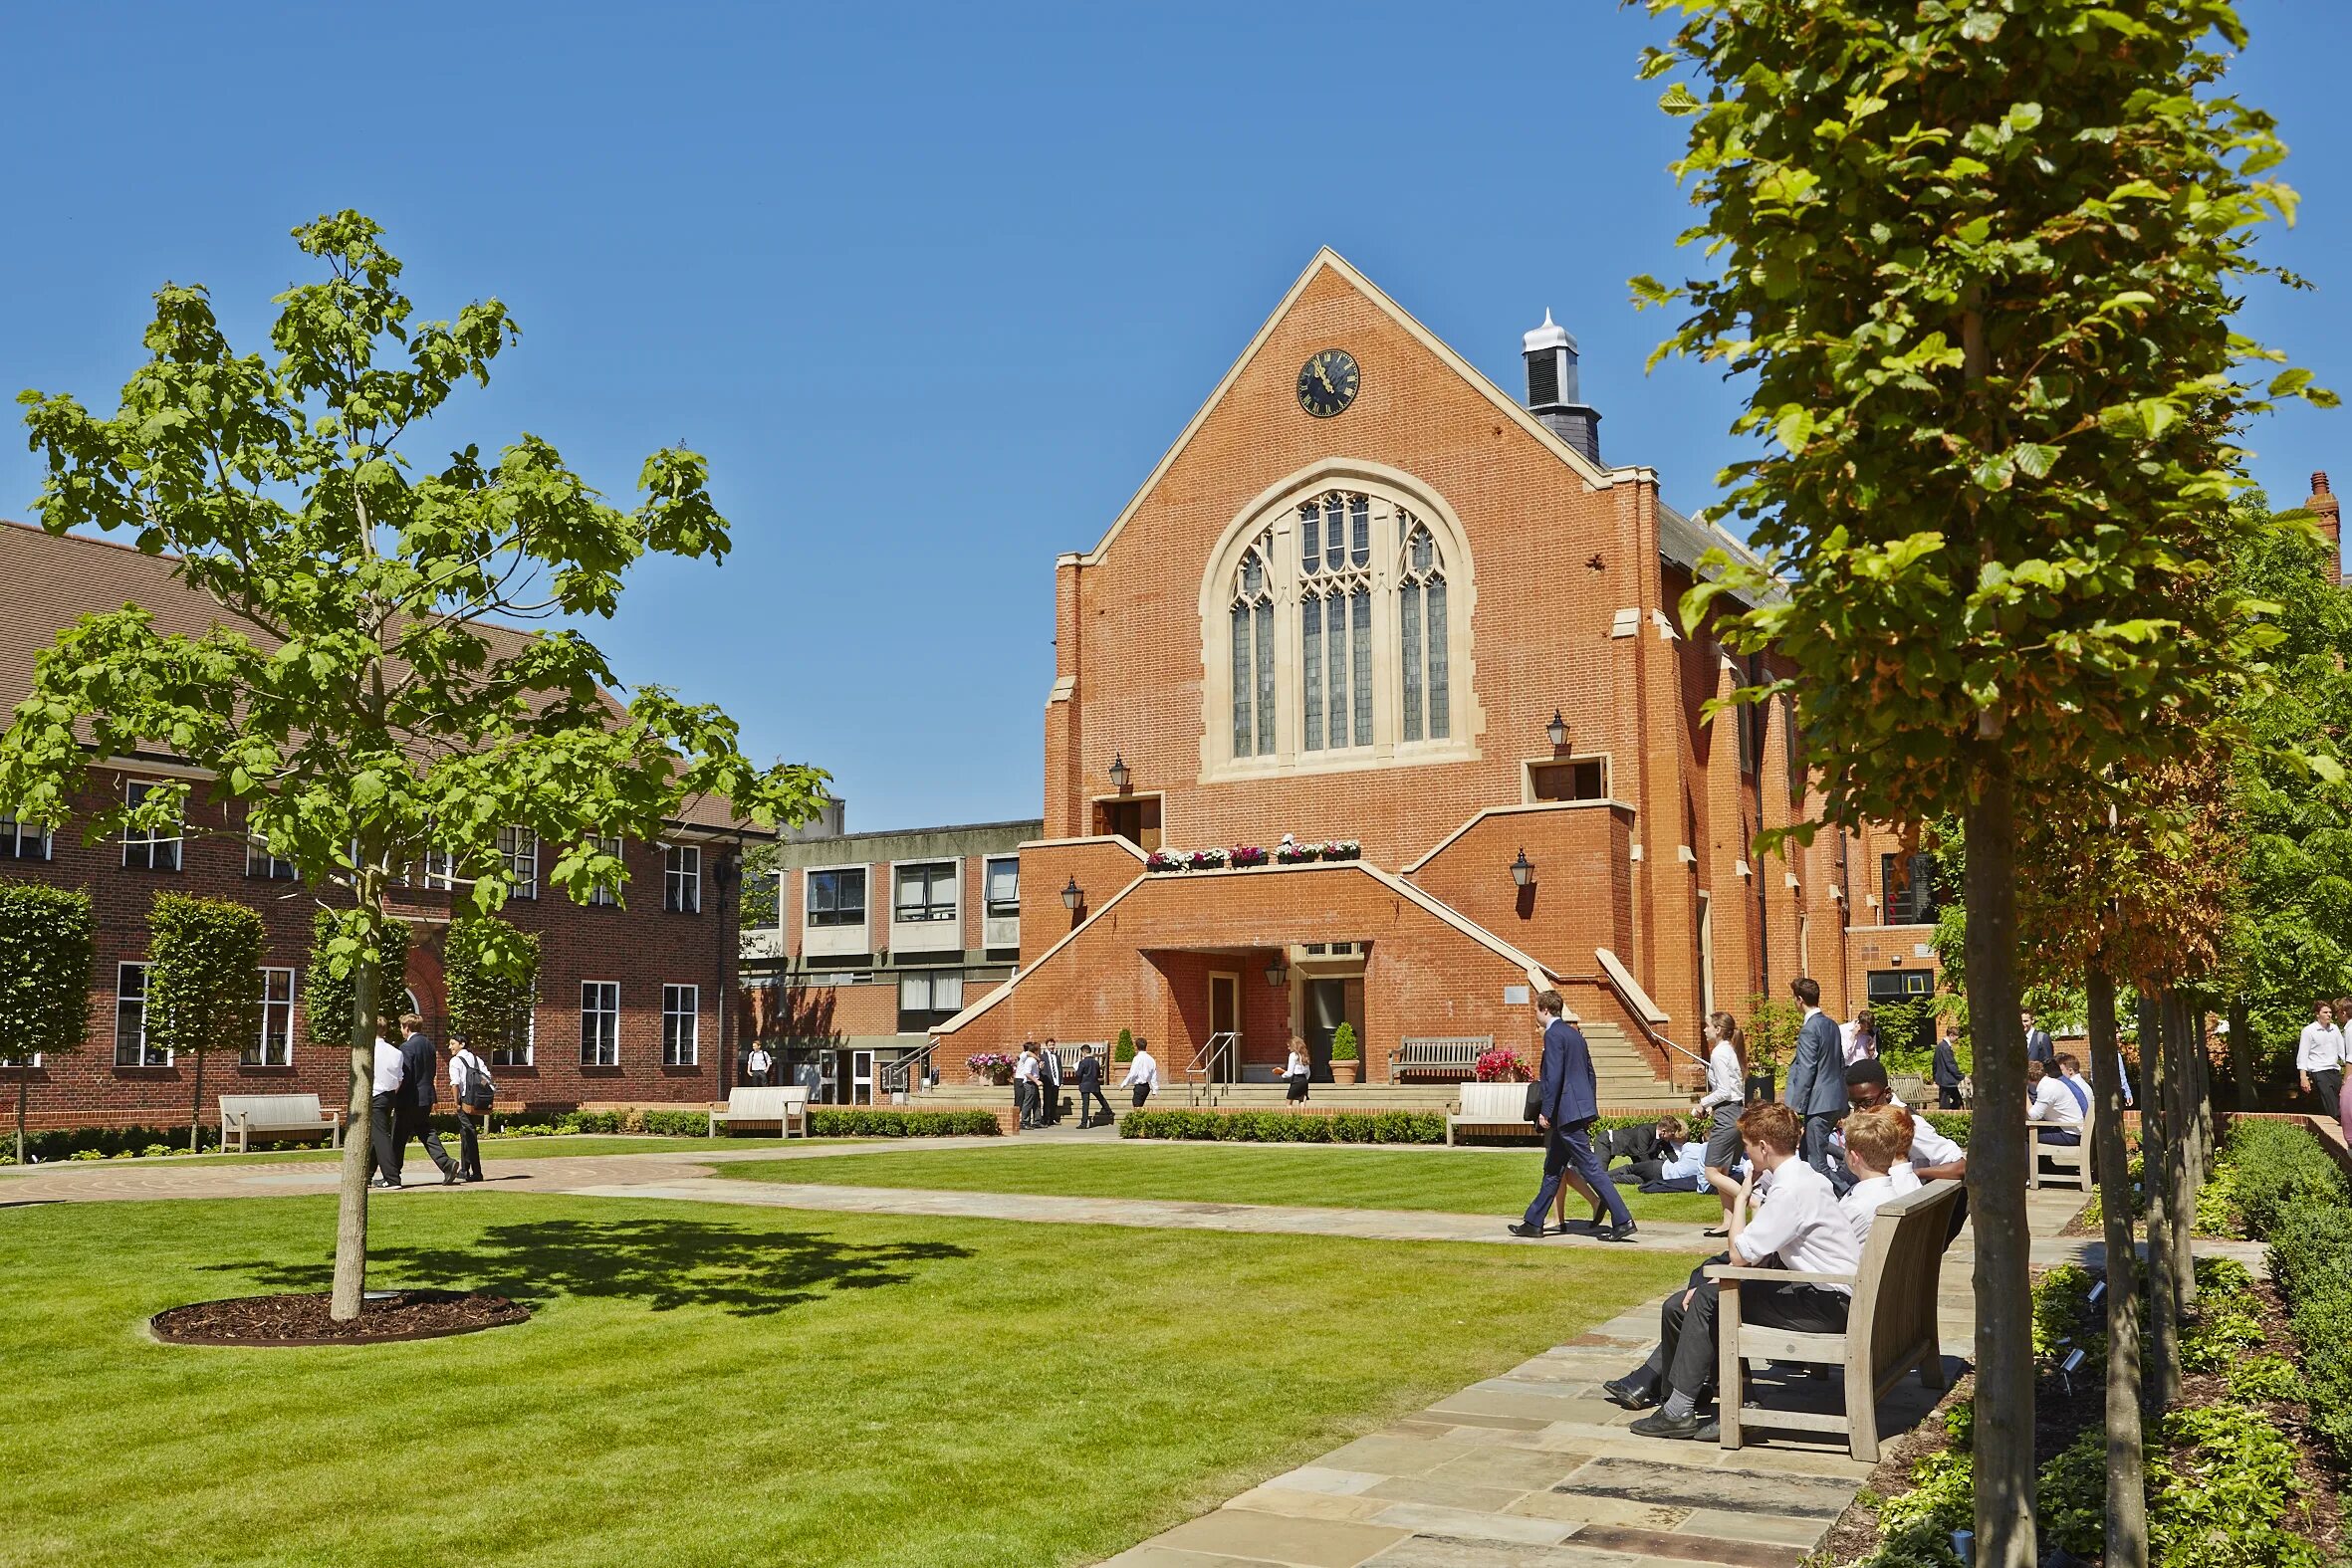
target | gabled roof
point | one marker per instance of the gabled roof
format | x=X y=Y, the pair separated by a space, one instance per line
x=54 y=579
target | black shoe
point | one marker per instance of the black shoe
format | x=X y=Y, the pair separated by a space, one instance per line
x=1709 y=1431
x=1658 y=1423
x=450 y=1176
x=1716 y=1229
x=1623 y=1232
x=1525 y=1229
x=1630 y=1392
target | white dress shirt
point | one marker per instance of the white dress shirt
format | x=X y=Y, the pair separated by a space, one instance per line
x=391 y=1068
x=756 y=1061
x=1025 y=1067
x=1801 y=1227
x=1929 y=1147
x=459 y=1061
x=1687 y=1160
x=1141 y=1070
x=1904 y=1179
x=1860 y=1203
x=1724 y=1085
x=2053 y=1105
x=1298 y=1066
x=2321 y=1047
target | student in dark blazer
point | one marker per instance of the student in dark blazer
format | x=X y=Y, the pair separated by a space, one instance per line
x=2039 y=1046
x=1569 y=1100
x=1090 y=1089
x=1945 y=1073
x=1816 y=1087
x=415 y=1108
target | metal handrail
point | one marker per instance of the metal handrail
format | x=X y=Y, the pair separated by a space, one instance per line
x=897 y=1076
x=1635 y=1010
x=1201 y=1075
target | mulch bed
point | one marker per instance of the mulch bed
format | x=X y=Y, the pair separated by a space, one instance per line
x=2059 y=1415
x=304 y=1320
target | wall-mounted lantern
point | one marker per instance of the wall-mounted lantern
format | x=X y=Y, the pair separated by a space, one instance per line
x=1522 y=870
x=1557 y=732
x=1071 y=897
x=1277 y=971
x=1120 y=773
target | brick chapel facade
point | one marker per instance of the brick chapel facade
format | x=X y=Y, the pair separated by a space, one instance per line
x=1370 y=596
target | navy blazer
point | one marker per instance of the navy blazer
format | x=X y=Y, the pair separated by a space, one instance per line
x=2039 y=1048
x=1570 y=1090
x=417 y=1087
x=1947 y=1068
x=1818 y=1076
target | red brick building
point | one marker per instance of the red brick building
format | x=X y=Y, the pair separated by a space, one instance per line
x=634 y=1000
x=1368 y=596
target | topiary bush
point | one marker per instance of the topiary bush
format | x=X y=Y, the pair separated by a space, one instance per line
x=2277 y=1164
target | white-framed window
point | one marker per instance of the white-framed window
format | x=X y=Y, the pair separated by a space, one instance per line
x=440 y=869
x=259 y=862
x=927 y=892
x=519 y=848
x=523 y=1054
x=836 y=897
x=606 y=894
x=1001 y=887
x=599 y=1023
x=131 y=1020
x=681 y=878
x=928 y=998
x=23 y=842
x=681 y=1025
x=274 y=1045
x=149 y=849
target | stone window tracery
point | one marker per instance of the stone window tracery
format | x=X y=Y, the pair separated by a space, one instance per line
x=1253 y=710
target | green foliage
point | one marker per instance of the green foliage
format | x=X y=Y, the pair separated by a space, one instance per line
x=836 y=1121
x=1286 y=1127
x=762 y=898
x=2308 y=1245
x=2267 y=1380
x=2219 y=1499
x=2275 y=1166
x=1899 y=1023
x=1343 y=1044
x=1952 y=1124
x=2058 y=1299
x=1124 y=1050
x=678 y=1124
x=2225 y=1320
x=493 y=975
x=335 y=944
x=203 y=974
x=103 y=1143
x=1772 y=1022
x=45 y=936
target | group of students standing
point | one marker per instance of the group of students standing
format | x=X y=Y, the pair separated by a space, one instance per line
x=1036 y=1082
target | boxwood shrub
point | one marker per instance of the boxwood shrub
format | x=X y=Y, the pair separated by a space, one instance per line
x=1286 y=1127
x=858 y=1121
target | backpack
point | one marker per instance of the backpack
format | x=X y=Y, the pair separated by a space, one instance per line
x=477 y=1091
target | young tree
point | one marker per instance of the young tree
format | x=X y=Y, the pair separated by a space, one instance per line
x=489 y=1002
x=203 y=984
x=1980 y=261
x=366 y=696
x=329 y=998
x=45 y=936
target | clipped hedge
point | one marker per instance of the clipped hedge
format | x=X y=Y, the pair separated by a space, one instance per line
x=2276 y=1165
x=2311 y=1238
x=104 y=1143
x=867 y=1122
x=1286 y=1127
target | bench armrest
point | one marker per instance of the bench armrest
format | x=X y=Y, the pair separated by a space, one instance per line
x=1725 y=1271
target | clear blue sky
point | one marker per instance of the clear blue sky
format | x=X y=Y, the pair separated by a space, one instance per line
x=932 y=286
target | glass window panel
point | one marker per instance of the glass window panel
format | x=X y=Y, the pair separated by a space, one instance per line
x=1265 y=679
x=1440 y=703
x=1253 y=576
x=947 y=992
x=1311 y=539
x=1335 y=666
x=1361 y=600
x=1310 y=647
x=1242 y=725
x=1334 y=547
x=1409 y=631
x=1360 y=517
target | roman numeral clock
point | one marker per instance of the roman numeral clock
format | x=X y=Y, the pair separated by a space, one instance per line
x=1328 y=383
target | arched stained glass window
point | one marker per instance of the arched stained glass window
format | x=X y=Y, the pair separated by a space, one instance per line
x=1335 y=620
x=1420 y=632
x=1253 y=654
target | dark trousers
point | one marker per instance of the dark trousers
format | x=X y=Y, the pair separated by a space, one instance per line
x=1815 y=1148
x=2328 y=1084
x=2064 y=1136
x=416 y=1121
x=1638 y=1172
x=1571 y=1146
x=1299 y=1089
x=1050 y=1106
x=1025 y=1101
x=1946 y=1096
x=384 y=1139
x=469 y=1146
x=1090 y=1097
x=1686 y=1357
x=1142 y=1093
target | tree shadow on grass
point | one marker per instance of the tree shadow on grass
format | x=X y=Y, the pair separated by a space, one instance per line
x=665 y=1264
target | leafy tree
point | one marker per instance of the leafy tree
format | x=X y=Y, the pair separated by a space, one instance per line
x=762 y=893
x=1980 y=261
x=45 y=936
x=329 y=998
x=366 y=696
x=490 y=1002
x=203 y=984
x=1772 y=1022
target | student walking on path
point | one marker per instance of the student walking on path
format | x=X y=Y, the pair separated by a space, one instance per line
x=383 y=1110
x=1727 y=1094
x=1568 y=1102
x=1090 y=1089
x=417 y=1097
x=1143 y=1073
x=1296 y=1072
x=470 y=1083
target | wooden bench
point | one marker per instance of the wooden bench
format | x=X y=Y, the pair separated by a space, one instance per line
x=786 y=1106
x=1890 y=1329
x=1455 y=1053
x=245 y=1117
x=1492 y=1108
x=2070 y=1165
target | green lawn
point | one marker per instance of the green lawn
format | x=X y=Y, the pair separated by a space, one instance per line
x=1454 y=1181
x=720 y=1385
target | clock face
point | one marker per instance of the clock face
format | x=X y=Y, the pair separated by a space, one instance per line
x=1328 y=383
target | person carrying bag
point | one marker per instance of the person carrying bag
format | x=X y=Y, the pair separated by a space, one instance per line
x=470 y=1077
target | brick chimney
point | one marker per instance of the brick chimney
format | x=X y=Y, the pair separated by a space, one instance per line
x=2323 y=507
x=1552 y=394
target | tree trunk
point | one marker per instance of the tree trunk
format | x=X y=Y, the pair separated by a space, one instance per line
x=1998 y=1151
x=2163 y=1296
x=2202 y=1089
x=2179 y=1118
x=24 y=1087
x=196 y=1111
x=2127 y=1481
x=2243 y=1067
x=350 y=1215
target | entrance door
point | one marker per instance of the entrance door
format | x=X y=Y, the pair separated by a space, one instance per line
x=1327 y=1010
x=1224 y=1008
x=861 y=1078
x=1135 y=818
x=829 y=1078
